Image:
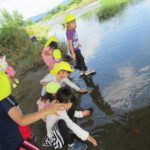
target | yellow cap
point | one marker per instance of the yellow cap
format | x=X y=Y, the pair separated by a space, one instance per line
x=51 y=38
x=61 y=66
x=5 y=87
x=52 y=87
x=69 y=18
x=57 y=54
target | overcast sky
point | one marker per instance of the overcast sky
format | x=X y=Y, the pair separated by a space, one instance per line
x=29 y=8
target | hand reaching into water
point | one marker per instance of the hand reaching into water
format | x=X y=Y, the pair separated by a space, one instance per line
x=86 y=113
x=92 y=140
x=80 y=45
x=83 y=91
x=74 y=56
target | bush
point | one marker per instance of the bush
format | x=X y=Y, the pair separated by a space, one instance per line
x=110 y=8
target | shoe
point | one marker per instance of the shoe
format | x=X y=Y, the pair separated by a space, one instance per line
x=82 y=73
x=89 y=71
x=16 y=80
x=78 y=146
x=14 y=85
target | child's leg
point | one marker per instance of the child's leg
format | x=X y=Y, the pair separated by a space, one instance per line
x=80 y=61
x=65 y=132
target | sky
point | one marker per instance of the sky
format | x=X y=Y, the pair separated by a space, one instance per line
x=29 y=8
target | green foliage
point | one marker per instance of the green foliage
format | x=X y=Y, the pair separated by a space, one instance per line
x=15 y=42
x=14 y=19
x=38 y=30
x=110 y=8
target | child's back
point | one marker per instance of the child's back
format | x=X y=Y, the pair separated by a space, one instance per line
x=63 y=124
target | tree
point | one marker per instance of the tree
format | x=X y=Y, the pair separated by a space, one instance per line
x=14 y=19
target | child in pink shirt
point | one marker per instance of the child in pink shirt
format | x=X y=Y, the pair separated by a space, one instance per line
x=9 y=70
x=47 y=53
x=47 y=100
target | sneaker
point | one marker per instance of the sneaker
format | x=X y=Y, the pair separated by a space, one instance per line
x=14 y=85
x=16 y=80
x=89 y=71
x=78 y=146
x=82 y=73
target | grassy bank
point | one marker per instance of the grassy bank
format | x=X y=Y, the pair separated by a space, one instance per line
x=16 y=45
x=110 y=8
x=38 y=30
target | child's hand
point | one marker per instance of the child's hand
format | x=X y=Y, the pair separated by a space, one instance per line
x=74 y=56
x=86 y=113
x=55 y=107
x=80 y=45
x=83 y=91
x=92 y=140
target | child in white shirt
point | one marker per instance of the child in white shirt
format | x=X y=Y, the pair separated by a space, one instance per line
x=61 y=128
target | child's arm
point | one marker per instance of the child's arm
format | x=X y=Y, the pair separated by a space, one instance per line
x=48 y=78
x=17 y=116
x=81 y=114
x=72 y=49
x=47 y=53
x=79 y=45
x=74 y=86
x=82 y=134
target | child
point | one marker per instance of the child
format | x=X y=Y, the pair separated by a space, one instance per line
x=11 y=118
x=61 y=128
x=9 y=70
x=50 y=45
x=46 y=100
x=57 y=56
x=60 y=74
x=74 y=45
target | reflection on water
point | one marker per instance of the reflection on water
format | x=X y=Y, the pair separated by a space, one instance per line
x=96 y=95
x=118 y=50
x=128 y=92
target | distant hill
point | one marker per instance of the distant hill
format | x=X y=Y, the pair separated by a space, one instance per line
x=39 y=16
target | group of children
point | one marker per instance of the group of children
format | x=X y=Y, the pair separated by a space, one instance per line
x=61 y=128
x=51 y=56
x=57 y=104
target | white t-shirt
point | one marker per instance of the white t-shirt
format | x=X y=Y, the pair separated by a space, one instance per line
x=78 y=131
x=49 y=78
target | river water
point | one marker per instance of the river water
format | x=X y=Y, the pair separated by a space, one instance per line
x=119 y=92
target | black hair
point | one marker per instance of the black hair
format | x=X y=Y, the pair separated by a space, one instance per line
x=53 y=45
x=1 y=54
x=65 y=95
x=48 y=96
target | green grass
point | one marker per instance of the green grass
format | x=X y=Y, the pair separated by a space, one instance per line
x=110 y=8
x=38 y=30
